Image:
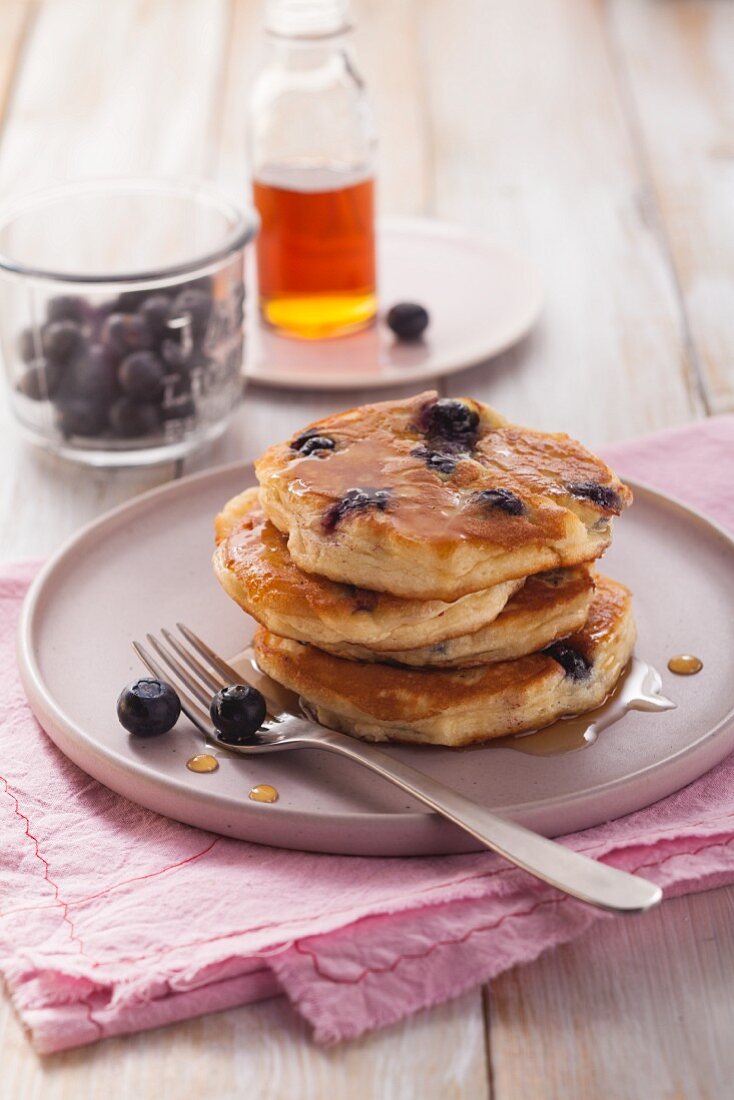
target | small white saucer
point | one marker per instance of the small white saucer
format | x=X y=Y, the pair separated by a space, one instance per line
x=481 y=298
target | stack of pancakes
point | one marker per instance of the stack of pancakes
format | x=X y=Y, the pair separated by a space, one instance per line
x=422 y=571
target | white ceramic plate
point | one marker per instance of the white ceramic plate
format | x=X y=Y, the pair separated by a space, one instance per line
x=482 y=298
x=146 y=565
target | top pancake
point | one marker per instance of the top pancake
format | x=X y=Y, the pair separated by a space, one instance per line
x=434 y=498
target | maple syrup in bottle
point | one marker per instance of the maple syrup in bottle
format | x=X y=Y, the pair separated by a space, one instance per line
x=313 y=153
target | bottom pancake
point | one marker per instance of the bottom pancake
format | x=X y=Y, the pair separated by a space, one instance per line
x=457 y=707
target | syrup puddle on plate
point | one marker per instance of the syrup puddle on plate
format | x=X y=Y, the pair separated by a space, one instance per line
x=263 y=792
x=639 y=689
x=203 y=762
x=685 y=664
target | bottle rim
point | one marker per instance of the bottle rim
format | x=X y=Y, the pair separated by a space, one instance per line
x=309 y=20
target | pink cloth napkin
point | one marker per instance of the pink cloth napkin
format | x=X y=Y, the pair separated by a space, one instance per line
x=113 y=919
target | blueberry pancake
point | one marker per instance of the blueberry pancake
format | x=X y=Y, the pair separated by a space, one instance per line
x=549 y=606
x=466 y=706
x=254 y=567
x=431 y=499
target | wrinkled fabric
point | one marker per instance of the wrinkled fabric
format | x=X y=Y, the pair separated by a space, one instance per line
x=113 y=919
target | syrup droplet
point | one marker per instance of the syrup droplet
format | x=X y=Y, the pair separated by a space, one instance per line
x=263 y=792
x=638 y=689
x=685 y=664
x=202 y=763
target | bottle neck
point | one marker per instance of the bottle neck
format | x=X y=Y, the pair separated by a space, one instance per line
x=309 y=50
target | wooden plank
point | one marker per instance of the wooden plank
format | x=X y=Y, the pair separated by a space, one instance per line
x=532 y=146
x=262 y=1051
x=134 y=82
x=675 y=60
x=16 y=18
x=641 y=1007
x=125 y=88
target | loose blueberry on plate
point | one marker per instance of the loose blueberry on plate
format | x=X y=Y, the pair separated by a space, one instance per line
x=141 y=376
x=148 y=707
x=408 y=320
x=238 y=712
x=131 y=419
x=61 y=340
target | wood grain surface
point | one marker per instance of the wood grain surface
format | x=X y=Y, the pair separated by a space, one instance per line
x=598 y=137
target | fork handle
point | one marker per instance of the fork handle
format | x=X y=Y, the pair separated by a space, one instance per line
x=583 y=878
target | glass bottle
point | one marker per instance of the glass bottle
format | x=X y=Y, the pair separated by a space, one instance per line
x=313 y=146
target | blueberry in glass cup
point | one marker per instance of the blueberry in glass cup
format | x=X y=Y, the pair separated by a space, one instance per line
x=122 y=318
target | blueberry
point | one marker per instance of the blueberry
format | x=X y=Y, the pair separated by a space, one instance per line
x=40 y=380
x=574 y=663
x=30 y=344
x=408 y=320
x=92 y=375
x=435 y=460
x=131 y=419
x=81 y=416
x=355 y=500
x=237 y=712
x=311 y=442
x=196 y=304
x=125 y=332
x=501 y=499
x=148 y=707
x=155 y=311
x=174 y=356
x=68 y=307
x=129 y=301
x=178 y=407
x=450 y=421
x=62 y=340
x=141 y=376
x=238 y=299
x=601 y=495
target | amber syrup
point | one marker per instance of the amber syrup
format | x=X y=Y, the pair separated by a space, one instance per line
x=316 y=253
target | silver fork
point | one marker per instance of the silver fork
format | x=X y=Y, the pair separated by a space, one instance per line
x=199 y=672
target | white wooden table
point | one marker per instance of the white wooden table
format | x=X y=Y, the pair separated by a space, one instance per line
x=596 y=136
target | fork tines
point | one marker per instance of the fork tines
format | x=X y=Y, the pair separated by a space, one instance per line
x=196 y=683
